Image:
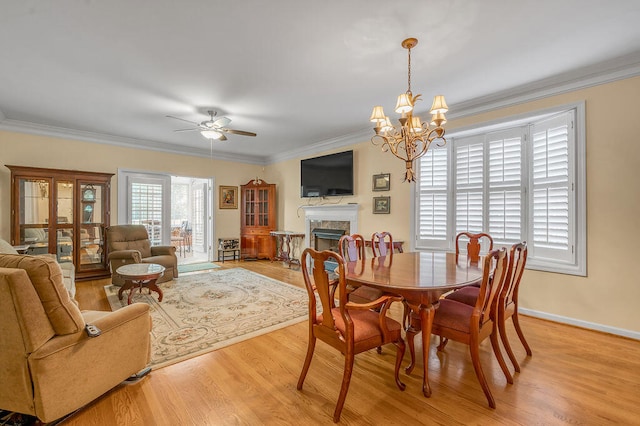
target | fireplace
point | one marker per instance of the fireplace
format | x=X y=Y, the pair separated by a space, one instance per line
x=326 y=238
x=340 y=217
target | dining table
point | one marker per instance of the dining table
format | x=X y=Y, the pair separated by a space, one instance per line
x=420 y=278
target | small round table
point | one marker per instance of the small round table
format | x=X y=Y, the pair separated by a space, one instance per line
x=138 y=276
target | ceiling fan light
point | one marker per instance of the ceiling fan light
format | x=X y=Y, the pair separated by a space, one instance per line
x=211 y=134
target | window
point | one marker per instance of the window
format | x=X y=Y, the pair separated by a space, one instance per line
x=517 y=180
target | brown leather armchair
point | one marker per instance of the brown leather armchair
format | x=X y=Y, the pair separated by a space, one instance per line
x=130 y=244
x=49 y=366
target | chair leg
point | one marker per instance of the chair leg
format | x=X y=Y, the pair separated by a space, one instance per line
x=474 y=349
x=399 y=357
x=346 y=380
x=516 y=324
x=498 y=353
x=506 y=344
x=307 y=361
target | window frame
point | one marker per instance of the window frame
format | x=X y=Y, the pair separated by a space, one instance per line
x=577 y=183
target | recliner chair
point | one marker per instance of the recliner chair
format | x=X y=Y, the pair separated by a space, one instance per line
x=130 y=244
x=49 y=365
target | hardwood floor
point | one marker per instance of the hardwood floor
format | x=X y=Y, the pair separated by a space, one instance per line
x=575 y=376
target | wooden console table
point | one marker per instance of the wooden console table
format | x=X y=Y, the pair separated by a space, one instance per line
x=287 y=242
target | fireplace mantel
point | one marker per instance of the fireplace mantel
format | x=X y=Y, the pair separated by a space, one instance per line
x=339 y=212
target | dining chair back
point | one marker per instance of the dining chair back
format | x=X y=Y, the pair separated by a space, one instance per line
x=351 y=247
x=381 y=244
x=473 y=324
x=351 y=328
x=507 y=304
x=474 y=244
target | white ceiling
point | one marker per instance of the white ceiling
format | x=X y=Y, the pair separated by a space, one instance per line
x=301 y=74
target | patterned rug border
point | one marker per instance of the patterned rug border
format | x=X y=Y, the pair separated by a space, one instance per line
x=153 y=302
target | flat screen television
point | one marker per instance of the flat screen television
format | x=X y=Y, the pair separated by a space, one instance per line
x=328 y=175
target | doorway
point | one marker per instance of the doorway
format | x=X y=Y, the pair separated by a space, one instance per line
x=176 y=210
x=191 y=227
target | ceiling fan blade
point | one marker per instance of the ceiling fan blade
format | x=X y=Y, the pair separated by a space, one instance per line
x=238 y=132
x=221 y=122
x=185 y=130
x=182 y=119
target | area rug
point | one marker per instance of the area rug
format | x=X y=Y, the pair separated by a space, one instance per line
x=193 y=267
x=203 y=312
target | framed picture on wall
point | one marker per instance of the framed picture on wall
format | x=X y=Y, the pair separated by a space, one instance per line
x=228 y=197
x=382 y=182
x=381 y=205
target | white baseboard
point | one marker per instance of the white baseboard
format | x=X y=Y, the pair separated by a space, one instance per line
x=579 y=323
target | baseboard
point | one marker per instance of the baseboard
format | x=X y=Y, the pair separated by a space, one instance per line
x=583 y=324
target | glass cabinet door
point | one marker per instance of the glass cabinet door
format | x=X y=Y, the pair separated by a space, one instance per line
x=64 y=220
x=91 y=225
x=33 y=214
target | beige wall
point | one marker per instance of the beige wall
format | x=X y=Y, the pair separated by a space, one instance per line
x=40 y=151
x=609 y=295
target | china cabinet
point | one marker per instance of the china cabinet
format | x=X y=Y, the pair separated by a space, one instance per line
x=62 y=212
x=257 y=220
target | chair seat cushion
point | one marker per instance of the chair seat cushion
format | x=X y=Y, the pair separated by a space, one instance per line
x=366 y=327
x=466 y=295
x=452 y=314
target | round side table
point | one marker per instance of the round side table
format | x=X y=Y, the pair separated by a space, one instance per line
x=138 y=276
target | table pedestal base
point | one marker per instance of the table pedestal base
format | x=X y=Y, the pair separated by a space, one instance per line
x=133 y=285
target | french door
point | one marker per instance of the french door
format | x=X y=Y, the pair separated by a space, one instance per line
x=166 y=204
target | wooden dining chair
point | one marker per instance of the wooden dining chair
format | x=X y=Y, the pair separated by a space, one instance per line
x=351 y=248
x=507 y=301
x=382 y=244
x=350 y=327
x=473 y=324
x=474 y=244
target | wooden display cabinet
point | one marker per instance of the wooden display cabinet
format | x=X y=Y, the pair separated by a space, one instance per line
x=257 y=220
x=62 y=212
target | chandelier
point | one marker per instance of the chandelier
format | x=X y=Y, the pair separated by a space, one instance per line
x=413 y=137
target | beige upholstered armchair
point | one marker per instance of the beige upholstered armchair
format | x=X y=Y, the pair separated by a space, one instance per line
x=130 y=244
x=49 y=366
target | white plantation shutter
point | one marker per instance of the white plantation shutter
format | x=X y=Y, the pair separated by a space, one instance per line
x=525 y=181
x=469 y=158
x=146 y=208
x=552 y=203
x=432 y=199
x=505 y=186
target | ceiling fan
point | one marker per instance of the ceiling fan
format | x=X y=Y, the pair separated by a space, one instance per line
x=213 y=128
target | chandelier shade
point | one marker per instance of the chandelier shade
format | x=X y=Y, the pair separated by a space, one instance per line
x=412 y=137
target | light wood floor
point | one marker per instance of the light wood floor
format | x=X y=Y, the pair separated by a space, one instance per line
x=575 y=377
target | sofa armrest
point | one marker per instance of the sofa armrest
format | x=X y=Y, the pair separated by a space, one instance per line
x=162 y=250
x=133 y=256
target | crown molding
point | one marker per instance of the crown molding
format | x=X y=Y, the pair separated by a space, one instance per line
x=84 y=136
x=620 y=68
